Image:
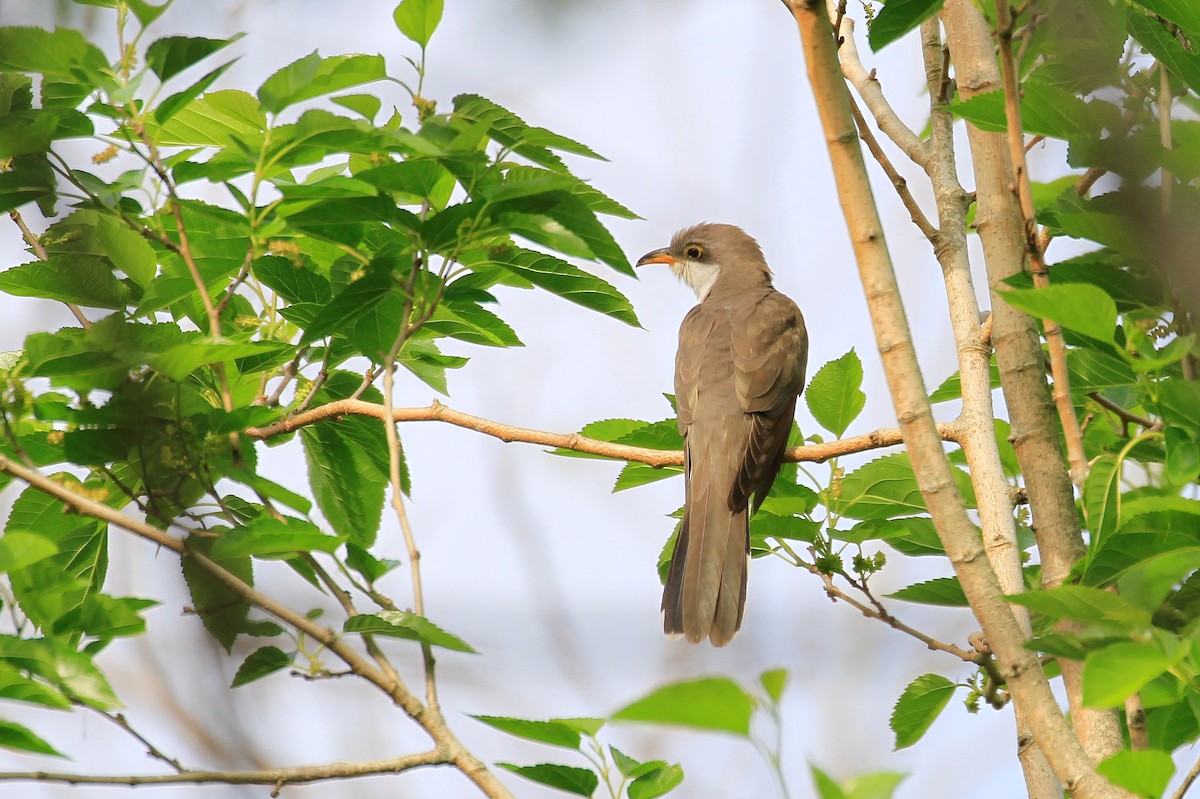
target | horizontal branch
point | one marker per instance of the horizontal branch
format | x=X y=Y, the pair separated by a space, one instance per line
x=277 y=777
x=437 y=412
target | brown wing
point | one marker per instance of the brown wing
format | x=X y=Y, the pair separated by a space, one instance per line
x=770 y=352
x=694 y=334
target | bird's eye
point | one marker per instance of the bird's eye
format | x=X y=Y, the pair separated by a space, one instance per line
x=694 y=251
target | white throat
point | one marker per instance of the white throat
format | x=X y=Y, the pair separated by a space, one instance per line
x=700 y=276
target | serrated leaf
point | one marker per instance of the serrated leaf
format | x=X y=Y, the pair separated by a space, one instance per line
x=1114 y=673
x=552 y=732
x=267 y=537
x=313 y=76
x=221 y=610
x=259 y=663
x=656 y=783
x=920 y=704
x=835 y=394
x=886 y=488
x=1045 y=110
x=711 y=703
x=1082 y=603
x=578 y=781
x=898 y=17
x=1080 y=307
x=403 y=624
x=569 y=282
x=83 y=280
x=1163 y=45
x=171 y=55
x=943 y=591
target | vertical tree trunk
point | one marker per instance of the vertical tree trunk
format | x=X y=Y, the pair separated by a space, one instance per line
x=1035 y=430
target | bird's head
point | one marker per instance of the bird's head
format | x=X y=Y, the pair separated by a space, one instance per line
x=701 y=254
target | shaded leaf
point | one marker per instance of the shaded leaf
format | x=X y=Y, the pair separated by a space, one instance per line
x=1114 y=673
x=259 y=663
x=578 y=781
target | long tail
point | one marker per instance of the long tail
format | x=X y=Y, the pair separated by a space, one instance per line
x=705 y=592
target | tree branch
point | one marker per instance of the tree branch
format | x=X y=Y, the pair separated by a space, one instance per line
x=1037 y=258
x=1036 y=436
x=1019 y=667
x=437 y=412
x=871 y=92
x=40 y=251
x=449 y=748
x=277 y=777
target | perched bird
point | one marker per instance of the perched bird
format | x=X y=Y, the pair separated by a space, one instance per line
x=738 y=373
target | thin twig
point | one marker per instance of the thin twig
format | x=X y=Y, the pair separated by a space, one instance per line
x=40 y=251
x=1192 y=774
x=901 y=185
x=835 y=594
x=1072 y=434
x=275 y=777
x=151 y=750
x=437 y=412
x=1125 y=414
x=869 y=89
x=448 y=750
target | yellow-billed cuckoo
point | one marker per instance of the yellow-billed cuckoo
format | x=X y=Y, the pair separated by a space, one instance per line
x=738 y=372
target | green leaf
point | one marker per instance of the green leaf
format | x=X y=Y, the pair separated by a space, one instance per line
x=83 y=280
x=366 y=105
x=71 y=671
x=578 y=781
x=313 y=76
x=418 y=19
x=1093 y=370
x=21 y=739
x=656 y=783
x=82 y=542
x=1143 y=773
x=91 y=233
x=260 y=663
x=1080 y=307
x=351 y=304
x=222 y=611
x=943 y=591
x=951 y=388
x=881 y=489
x=212 y=120
x=1183 y=456
x=1045 y=111
x=1114 y=673
x=1082 y=603
x=1140 y=537
x=19 y=549
x=171 y=105
x=569 y=282
x=825 y=785
x=169 y=56
x=773 y=682
x=835 y=394
x=268 y=537
x=1102 y=498
x=898 y=17
x=914 y=536
x=564 y=222
x=711 y=703
x=548 y=732
x=17 y=686
x=1163 y=45
x=403 y=624
x=921 y=702
x=1183 y=13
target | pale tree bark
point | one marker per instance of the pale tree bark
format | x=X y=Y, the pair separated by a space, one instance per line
x=1036 y=436
x=1027 y=682
x=977 y=438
